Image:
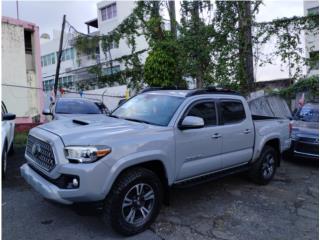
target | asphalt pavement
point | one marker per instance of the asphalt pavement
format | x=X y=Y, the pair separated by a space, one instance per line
x=226 y=209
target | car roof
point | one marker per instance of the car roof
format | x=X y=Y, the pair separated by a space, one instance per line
x=77 y=99
x=189 y=93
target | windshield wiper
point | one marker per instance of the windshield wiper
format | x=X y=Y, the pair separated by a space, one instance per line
x=114 y=116
x=137 y=120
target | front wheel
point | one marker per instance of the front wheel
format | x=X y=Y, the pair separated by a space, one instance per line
x=4 y=161
x=134 y=201
x=264 y=168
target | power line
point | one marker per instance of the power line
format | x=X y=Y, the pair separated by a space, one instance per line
x=12 y=85
x=66 y=91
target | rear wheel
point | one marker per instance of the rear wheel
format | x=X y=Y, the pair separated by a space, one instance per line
x=264 y=168
x=134 y=201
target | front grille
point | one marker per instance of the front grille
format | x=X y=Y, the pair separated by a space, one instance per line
x=306 y=148
x=41 y=153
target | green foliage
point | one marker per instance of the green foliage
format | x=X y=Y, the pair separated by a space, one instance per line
x=286 y=33
x=211 y=46
x=195 y=41
x=159 y=69
x=310 y=85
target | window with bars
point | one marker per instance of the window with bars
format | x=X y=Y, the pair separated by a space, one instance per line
x=48 y=59
x=67 y=54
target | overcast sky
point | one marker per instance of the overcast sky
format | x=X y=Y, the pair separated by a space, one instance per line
x=48 y=16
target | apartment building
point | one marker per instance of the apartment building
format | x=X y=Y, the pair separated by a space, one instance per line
x=312 y=40
x=75 y=67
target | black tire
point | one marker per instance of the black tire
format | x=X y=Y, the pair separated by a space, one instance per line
x=4 y=158
x=115 y=212
x=263 y=170
x=11 y=150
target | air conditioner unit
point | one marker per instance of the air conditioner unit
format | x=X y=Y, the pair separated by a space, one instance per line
x=68 y=69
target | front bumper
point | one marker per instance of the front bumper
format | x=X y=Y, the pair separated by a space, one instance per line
x=92 y=186
x=41 y=185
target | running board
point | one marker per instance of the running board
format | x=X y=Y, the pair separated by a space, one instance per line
x=210 y=177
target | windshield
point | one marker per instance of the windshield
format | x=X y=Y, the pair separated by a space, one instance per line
x=78 y=106
x=149 y=108
x=308 y=113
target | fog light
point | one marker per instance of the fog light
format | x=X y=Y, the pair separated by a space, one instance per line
x=75 y=183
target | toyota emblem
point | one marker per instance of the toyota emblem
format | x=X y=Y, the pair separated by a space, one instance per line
x=36 y=150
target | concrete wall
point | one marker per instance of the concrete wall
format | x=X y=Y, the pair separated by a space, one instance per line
x=22 y=70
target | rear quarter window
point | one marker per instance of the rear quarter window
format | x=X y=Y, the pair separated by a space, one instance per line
x=232 y=111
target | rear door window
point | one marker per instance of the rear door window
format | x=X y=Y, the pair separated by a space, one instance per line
x=232 y=111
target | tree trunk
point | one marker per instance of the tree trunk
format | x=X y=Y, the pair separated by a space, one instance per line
x=246 y=72
x=196 y=20
x=173 y=21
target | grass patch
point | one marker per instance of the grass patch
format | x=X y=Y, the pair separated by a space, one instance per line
x=20 y=139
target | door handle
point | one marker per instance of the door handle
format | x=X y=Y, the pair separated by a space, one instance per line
x=216 y=136
x=247 y=131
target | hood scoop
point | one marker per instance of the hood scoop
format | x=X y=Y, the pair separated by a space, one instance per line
x=80 y=122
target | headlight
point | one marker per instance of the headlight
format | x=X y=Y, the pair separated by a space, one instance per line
x=86 y=154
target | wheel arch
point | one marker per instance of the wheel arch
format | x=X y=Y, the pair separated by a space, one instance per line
x=157 y=166
x=275 y=144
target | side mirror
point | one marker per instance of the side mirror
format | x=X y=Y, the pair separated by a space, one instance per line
x=8 y=117
x=191 y=122
x=47 y=112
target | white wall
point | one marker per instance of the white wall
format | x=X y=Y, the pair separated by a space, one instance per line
x=311 y=38
x=124 y=9
x=17 y=100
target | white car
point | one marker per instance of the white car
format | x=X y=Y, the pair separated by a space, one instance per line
x=7 y=136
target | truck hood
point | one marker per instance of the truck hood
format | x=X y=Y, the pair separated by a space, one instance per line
x=91 y=130
x=59 y=116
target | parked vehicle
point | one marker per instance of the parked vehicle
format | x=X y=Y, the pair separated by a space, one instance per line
x=154 y=141
x=75 y=107
x=7 y=133
x=305 y=132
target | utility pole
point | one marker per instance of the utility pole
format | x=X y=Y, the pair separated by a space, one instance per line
x=17 y=6
x=56 y=79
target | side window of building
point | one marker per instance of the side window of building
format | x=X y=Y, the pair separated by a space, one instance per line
x=205 y=110
x=313 y=11
x=109 y=12
x=232 y=111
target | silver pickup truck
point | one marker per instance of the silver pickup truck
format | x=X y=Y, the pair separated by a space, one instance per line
x=156 y=140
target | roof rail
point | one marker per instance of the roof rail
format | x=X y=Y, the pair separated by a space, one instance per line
x=149 y=89
x=211 y=90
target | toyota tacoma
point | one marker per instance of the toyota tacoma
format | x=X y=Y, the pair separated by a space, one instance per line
x=129 y=160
